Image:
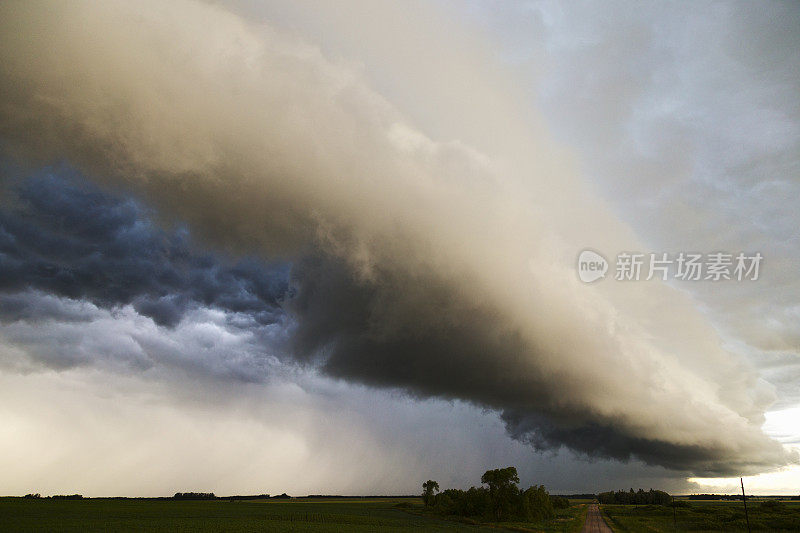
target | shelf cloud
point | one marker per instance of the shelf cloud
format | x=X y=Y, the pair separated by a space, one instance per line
x=441 y=267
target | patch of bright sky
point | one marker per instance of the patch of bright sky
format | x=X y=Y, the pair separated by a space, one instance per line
x=783 y=426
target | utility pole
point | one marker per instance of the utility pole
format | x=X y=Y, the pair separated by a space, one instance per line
x=744 y=500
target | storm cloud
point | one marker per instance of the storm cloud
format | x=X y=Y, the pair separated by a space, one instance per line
x=64 y=236
x=443 y=268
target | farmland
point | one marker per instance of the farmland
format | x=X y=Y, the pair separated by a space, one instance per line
x=298 y=514
x=704 y=516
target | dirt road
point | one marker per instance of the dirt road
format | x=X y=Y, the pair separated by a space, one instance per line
x=594 y=521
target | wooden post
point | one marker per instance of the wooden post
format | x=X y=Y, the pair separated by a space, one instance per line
x=744 y=501
x=674 y=515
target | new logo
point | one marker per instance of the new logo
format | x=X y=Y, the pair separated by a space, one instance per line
x=591 y=266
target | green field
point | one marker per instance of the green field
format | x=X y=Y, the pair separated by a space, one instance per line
x=317 y=515
x=703 y=516
x=566 y=520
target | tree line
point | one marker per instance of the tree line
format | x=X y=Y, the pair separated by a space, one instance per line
x=715 y=497
x=500 y=499
x=640 y=497
x=37 y=496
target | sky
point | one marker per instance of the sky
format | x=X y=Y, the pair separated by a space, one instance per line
x=331 y=248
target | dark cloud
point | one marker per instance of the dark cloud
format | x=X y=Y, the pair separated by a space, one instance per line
x=68 y=238
x=60 y=235
x=63 y=236
x=602 y=438
x=415 y=335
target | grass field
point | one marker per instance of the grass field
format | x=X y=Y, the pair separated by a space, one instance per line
x=316 y=515
x=703 y=516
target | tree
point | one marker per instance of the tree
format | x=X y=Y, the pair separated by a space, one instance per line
x=651 y=497
x=502 y=500
x=537 y=505
x=503 y=490
x=429 y=489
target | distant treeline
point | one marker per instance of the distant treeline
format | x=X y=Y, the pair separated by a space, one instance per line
x=194 y=496
x=640 y=497
x=36 y=496
x=374 y=497
x=212 y=496
x=715 y=497
x=578 y=496
x=737 y=497
x=500 y=500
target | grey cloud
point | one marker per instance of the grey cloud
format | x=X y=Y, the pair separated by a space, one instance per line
x=687 y=121
x=204 y=346
x=64 y=236
x=439 y=349
x=35 y=307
